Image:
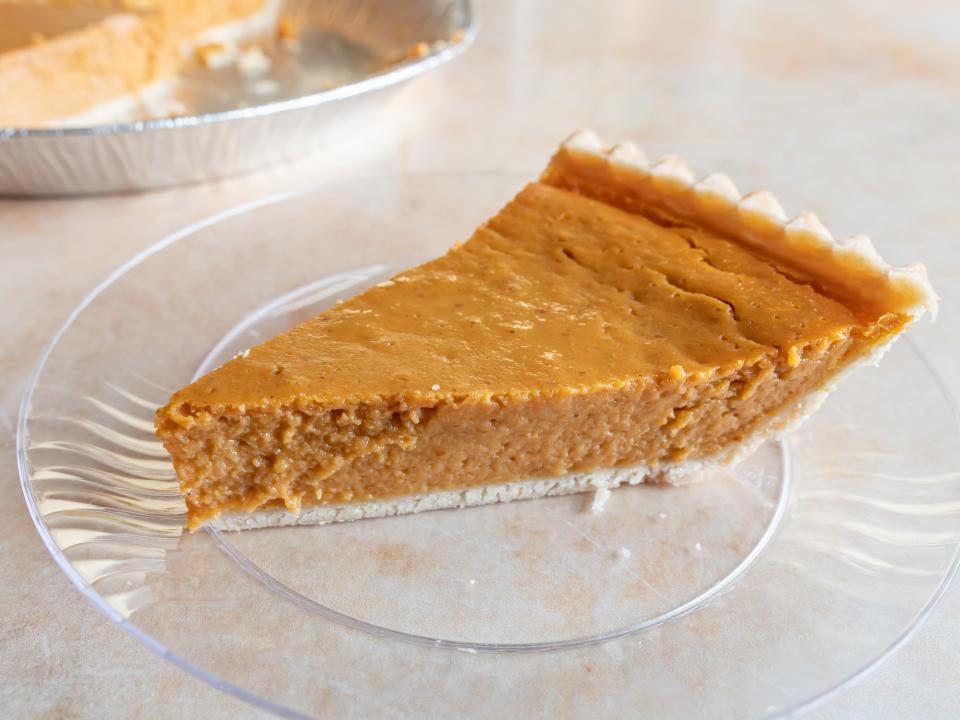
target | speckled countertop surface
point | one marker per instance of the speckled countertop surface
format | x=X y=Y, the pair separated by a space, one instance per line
x=849 y=108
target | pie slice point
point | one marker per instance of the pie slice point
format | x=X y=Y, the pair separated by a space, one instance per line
x=617 y=322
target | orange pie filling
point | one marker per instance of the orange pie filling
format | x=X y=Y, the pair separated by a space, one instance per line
x=65 y=62
x=579 y=328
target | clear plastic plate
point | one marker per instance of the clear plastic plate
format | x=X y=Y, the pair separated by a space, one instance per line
x=755 y=592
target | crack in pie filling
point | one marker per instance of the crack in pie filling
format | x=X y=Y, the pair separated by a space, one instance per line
x=616 y=322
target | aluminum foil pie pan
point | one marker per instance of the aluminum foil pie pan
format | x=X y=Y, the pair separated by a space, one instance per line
x=349 y=52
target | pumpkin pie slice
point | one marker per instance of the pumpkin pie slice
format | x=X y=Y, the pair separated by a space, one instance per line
x=616 y=322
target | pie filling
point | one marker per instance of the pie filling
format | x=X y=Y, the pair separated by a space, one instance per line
x=72 y=62
x=576 y=330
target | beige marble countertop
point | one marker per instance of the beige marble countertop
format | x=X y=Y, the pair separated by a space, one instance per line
x=850 y=108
